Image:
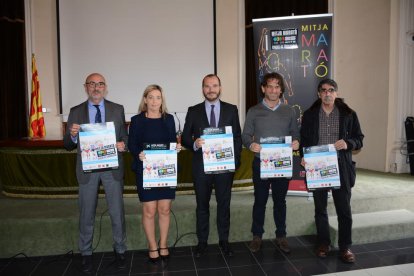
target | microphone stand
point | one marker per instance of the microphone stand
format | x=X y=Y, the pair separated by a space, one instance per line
x=179 y=132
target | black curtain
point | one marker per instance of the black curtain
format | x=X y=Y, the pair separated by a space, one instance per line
x=13 y=98
x=255 y=9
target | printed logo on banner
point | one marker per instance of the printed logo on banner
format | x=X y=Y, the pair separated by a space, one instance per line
x=284 y=39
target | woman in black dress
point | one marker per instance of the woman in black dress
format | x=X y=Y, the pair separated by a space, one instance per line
x=152 y=125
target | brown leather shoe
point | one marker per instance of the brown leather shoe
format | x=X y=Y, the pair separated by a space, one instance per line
x=347 y=256
x=283 y=245
x=323 y=251
x=255 y=244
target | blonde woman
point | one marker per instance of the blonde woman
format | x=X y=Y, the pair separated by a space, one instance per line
x=152 y=125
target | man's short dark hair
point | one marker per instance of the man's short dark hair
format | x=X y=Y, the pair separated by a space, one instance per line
x=330 y=82
x=211 y=76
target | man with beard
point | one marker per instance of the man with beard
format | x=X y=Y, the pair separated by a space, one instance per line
x=211 y=113
x=98 y=110
x=269 y=119
x=330 y=121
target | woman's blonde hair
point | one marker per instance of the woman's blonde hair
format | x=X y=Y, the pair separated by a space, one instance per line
x=143 y=106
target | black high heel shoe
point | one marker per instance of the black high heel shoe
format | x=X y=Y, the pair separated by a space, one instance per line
x=164 y=257
x=153 y=260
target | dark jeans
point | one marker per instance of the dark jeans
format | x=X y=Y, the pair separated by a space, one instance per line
x=261 y=194
x=342 y=201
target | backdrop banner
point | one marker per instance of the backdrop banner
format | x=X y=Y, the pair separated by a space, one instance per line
x=299 y=48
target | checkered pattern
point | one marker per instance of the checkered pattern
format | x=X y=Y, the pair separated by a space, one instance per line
x=328 y=127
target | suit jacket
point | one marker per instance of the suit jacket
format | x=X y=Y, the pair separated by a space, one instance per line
x=196 y=120
x=80 y=115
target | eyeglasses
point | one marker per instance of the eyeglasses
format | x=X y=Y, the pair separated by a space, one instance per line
x=92 y=84
x=324 y=90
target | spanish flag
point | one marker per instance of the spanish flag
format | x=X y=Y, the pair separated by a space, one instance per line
x=37 y=123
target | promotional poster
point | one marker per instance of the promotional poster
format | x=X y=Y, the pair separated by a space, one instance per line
x=276 y=157
x=98 y=146
x=160 y=166
x=218 y=150
x=321 y=164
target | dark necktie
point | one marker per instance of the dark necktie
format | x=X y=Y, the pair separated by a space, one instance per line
x=212 y=117
x=98 y=117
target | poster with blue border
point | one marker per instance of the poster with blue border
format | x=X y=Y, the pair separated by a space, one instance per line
x=321 y=165
x=218 y=150
x=97 y=144
x=276 y=158
x=159 y=167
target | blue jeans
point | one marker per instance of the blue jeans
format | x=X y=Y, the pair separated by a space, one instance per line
x=261 y=194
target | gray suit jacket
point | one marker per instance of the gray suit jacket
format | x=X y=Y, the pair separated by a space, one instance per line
x=80 y=115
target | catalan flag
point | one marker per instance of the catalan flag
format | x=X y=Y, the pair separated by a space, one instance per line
x=37 y=124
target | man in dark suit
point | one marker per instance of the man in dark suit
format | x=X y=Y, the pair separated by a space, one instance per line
x=96 y=110
x=211 y=113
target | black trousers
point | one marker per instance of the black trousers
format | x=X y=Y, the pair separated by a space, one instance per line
x=342 y=201
x=203 y=186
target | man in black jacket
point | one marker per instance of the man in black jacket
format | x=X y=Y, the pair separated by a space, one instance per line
x=330 y=121
x=212 y=112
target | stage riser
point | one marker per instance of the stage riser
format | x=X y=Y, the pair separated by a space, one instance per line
x=47 y=235
x=378 y=226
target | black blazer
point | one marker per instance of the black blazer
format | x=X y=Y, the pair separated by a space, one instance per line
x=349 y=131
x=196 y=120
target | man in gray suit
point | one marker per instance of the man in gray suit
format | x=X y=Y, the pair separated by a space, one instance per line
x=96 y=110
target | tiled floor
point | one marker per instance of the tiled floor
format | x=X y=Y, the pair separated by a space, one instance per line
x=384 y=258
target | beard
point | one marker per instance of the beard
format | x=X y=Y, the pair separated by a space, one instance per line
x=212 y=96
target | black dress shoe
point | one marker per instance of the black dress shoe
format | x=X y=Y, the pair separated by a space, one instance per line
x=225 y=247
x=87 y=263
x=120 y=260
x=166 y=256
x=200 y=249
x=153 y=260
